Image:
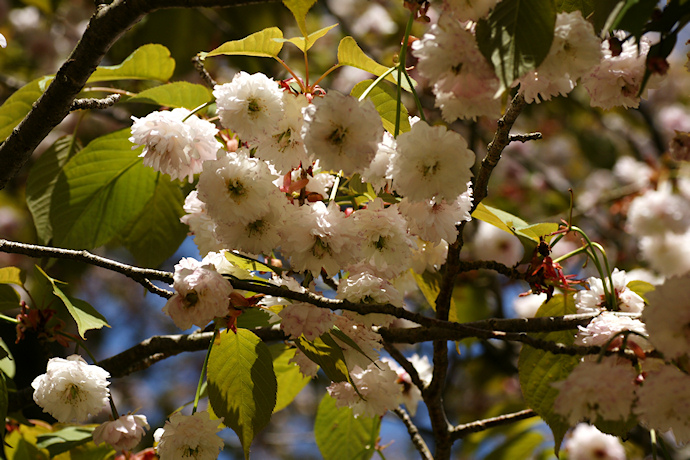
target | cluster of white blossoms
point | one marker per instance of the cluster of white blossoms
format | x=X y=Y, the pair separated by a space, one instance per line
x=586 y=442
x=189 y=436
x=593 y=299
x=72 y=390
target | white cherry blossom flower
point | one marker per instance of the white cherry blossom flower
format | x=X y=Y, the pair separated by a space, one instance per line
x=586 y=442
x=71 y=389
x=469 y=10
x=431 y=162
x=377 y=174
x=342 y=132
x=175 y=147
x=429 y=256
x=259 y=236
x=306 y=319
x=125 y=433
x=658 y=211
x=436 y=220
x=200 y=224
x=307 y=367
x=667 y=254
x=526 y=306
x=592 y=299
x=668 y=317
x=189 y=436
x=492 y=243
x=363 y=287
x=368 y=341
x=201 y=294
x=249 y=105
x=378 y=386
x=604 y=327
x=604 y=390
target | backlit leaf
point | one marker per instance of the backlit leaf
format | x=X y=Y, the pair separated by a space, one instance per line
x=290 y=380
x=12 y=275
x=299 y=42
x=176 y=94
x=385 y=100
x=299 y=9
x=242 y=385
x=261 y=44
x=341 y=436
x=325 y=352
x=349 y=53
x=148 y=62
x=17 y=106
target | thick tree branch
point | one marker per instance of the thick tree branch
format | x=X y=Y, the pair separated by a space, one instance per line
x=461 y=431
x=104 y=29
x=416 y=438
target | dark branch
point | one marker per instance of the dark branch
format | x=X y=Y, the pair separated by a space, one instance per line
x=92 y=103
x=199 y=66
x=105 y=27
x=461 y=431
x=416 y=438
x=524 y=137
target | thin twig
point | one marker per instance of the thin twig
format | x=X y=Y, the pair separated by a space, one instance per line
x=524 y=137
x=93 y=103
x=461 y=431
x=405 y=364
x=199 y=66
x=416 y=438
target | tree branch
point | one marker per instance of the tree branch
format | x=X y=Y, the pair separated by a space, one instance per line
x=92 y=103
x=105 y=27
x=416 y=438
x=461 y=431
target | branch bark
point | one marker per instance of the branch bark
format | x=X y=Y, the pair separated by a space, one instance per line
x=106 y=26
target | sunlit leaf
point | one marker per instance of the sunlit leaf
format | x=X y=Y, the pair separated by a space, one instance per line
x=349 y=53
x=385 y=100
x=261 y=44
x=84 y=314
x=7 y=364
x=341 y=436
x=65 y=439
x=17 y=106
x=516 y=37
x=176 y=94
x=299 y=42
x=148 y=62
x=539 y=369
x=299 y=9
x=41 y=183
x=641 y=288
x=290 y=380
x=468 y=303
x=246 y=263
x=12 y=275
x=242 y=385
x=325 y=352
x=20 y=443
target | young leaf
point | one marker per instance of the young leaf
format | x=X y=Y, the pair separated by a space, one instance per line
x=20 y=443
x=4 y=404
x=385 y=100
x=261 y=44
x=7 y=365
x=325 y=352
x=41 y=183
x=242 y=385
x=84 y=314
x=299 y=42
x=516 y=37
x=176 y=94
x=9 y=298
x=349 y=53
x=148 y=62
x=341 y=436
x=299 y=9
x=64 y=440
x=641 y=288
x=17 y=106
x=467 y=303
x=12 y=275
x=290 y=379
x=538 y=369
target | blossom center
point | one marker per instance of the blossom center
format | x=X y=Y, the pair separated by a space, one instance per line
x=236 y=189
x=337 y=137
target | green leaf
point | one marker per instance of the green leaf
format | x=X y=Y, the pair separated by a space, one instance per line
x=176 y=94
x=157 y=232
x=84 y=314
x=252 y=318
x=12 y=275
x=242 y=385
x=539 y=369
x=246 y=263
x=20 y=444
x=341 y=436
x=148 y=62
x=299 y=42
x=349 y=53
x=633 y=16
x=384 y=98
x=325 y=352
x=7 y=365
x=586 y=7
x=4 y=404
x=64 y=440
x=299 y=9
x=516 y=37
x=261 y=44
x=641 y=288
x=468 y=303
x=290 y=380
x=41 y=183
x=17 y=106
x=9 y=298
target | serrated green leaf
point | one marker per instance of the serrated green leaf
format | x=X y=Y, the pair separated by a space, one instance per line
x=7 y=365
x=341 y=436
x=12 y=275
x=384 y=98
x=157 y=232
x=84 y=314
x=9 y=298
x=539 y=369
x=242 y=385
x=299 y=9
x=176 y=94
x=41 y=183
x=148 y=62
x=325 y=352
x=290 y=380
x=349 y=53
x=299 y=42
x=467 y=303
x=516 y=37
x=17 y=106
x=261 y=44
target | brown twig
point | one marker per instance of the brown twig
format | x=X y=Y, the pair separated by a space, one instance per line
x=416 y=438
x=461 y=431
x=92 y=103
